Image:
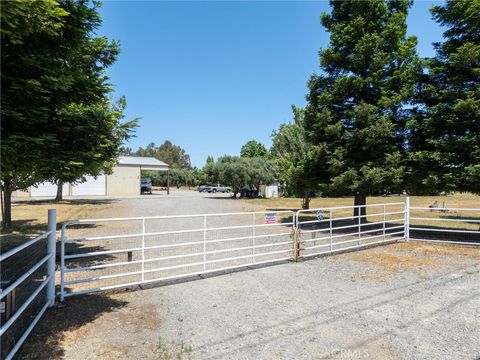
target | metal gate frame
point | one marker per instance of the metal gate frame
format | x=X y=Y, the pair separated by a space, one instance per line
x=278 y=255
x=352 y=235
x=299 y=247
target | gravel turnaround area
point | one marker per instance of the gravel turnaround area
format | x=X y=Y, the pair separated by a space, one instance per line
x=400 y=301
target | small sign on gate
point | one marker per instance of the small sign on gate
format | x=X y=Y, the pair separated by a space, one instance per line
x=320 y=215
x=270 y=218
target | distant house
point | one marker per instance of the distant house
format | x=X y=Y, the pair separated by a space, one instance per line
x=124 y=180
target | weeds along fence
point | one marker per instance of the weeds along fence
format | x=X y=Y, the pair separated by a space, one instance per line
x=27 y=287
x=445 y=225
x=134 y=251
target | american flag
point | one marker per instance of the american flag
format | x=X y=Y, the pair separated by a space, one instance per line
x=270 y=218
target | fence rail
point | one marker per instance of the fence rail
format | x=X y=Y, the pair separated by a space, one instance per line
x=35 y=287
x=445 y=225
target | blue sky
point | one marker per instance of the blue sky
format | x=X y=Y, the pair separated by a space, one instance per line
x=209 y=76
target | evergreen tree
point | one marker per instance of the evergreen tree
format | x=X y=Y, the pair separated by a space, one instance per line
x=445 y=128
x=291 y=154
x=356 y=113
x=253 y=148
x=57 y=120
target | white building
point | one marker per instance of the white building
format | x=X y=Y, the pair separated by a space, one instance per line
x=124 y=180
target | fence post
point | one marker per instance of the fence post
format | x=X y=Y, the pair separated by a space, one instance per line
x=296 y=235
x=407 y=218
x=51 y=248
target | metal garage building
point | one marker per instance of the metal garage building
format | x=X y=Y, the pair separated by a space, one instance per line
x=124 y=180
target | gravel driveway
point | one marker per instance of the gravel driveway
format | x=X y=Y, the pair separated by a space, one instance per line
x=182 y=203
x=401 y=301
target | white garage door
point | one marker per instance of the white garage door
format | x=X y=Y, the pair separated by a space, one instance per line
x=47 y=189
x=91 y=187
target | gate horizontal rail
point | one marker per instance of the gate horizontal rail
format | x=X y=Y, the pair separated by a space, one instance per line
x=445 y=225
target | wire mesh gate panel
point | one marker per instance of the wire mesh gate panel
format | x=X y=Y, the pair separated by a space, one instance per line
x=329 y=230
x=102 y=254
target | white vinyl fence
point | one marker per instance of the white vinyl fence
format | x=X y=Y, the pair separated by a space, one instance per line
x=27 y=287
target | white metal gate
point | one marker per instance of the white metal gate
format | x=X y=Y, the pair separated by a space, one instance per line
x=141 y=250
x=102 y=254
x=334 y=229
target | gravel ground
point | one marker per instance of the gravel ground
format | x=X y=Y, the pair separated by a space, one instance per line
x=182 y=202
x=328 y=307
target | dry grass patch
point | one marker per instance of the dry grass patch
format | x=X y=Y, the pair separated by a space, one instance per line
x=417 y=257
x=30 y=217
x=464 y=200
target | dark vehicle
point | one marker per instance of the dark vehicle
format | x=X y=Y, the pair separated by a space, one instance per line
x=249 y=192
x=145 y=185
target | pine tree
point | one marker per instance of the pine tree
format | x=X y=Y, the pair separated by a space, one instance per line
x=445 y=131
x=356 y=113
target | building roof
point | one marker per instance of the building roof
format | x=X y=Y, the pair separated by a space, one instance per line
x=143 y=162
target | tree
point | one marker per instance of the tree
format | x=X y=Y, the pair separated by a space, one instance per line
x=252 y=149
x=90 y=141
x=169 y=153
x=291 y=153
x=92 y=147
x=210 y=160
x=356 y=113
x=445 y=127
x=57 y=122
x=178 y=177
x=238 y=172
x=30 y=34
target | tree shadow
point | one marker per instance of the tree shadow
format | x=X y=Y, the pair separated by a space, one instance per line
x=45 y=342
x=27 y=229
x=444 y=233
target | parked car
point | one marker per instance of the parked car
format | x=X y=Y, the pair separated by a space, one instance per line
x=203 y=188
x=218 y=188
x=145 y=185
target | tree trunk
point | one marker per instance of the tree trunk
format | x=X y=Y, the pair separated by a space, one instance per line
x=7 y=209
x=360 y=212
x=306 y=200
x=59 y=196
